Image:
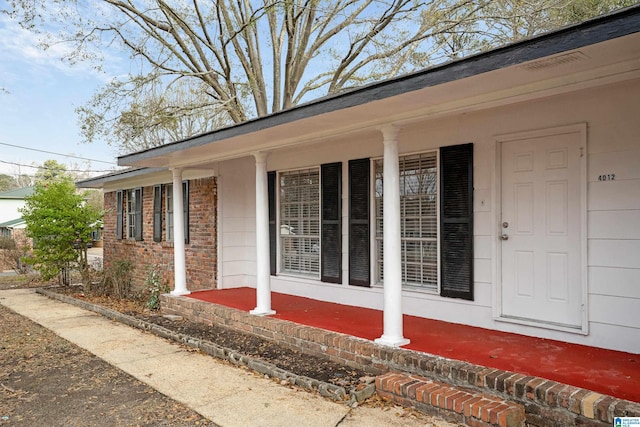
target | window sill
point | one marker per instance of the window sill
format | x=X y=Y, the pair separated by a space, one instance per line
x=295 y=276
x=413 y=289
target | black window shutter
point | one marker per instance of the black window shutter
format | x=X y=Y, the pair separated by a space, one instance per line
x=138 y=214
x=185 y=209
x=456 y=221
x=271 y=188
x=331 y=224
x=157 y=213
x=359 y=237
x=119 y=217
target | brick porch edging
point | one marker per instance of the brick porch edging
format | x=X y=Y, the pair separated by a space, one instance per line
x=453 y=403
x=547 y=403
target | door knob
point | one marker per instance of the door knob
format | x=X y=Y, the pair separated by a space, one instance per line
x=504 y=237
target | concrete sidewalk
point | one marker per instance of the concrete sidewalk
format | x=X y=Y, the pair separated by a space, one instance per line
x=225 y=394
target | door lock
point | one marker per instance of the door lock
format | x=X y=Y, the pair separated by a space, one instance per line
x=505 y=224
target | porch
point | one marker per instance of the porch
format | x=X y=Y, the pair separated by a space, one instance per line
x=539 y=373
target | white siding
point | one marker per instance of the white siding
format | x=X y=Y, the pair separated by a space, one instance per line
x=614 y=224
x=237 y=210
x=614 y=195
x=619 y=282
x=9 y=209
x=615 y=311
x=614 y=253
x=624 y=164
x=614 y=236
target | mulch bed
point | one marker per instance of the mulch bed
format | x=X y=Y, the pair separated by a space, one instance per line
x=298 y=363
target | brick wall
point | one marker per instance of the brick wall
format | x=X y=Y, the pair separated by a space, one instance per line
x=200 y=251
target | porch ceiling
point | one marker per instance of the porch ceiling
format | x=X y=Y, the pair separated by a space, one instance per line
x=557 y=63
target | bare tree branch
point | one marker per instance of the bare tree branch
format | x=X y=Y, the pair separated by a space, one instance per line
x=247 y=58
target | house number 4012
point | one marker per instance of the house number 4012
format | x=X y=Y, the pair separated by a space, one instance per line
x=607 y=177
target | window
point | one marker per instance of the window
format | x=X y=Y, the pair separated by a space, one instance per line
x=300 y=222
x=419 y=220
x=119 y=215
x=436 y=209
x=169 y=207
x=169 y=210
x=310 y=215
x=134 y=214
x=157 y=213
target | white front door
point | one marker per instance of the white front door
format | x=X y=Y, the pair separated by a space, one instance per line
x=541 y=227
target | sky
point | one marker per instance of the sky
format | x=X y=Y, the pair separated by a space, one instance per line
x=38 y=112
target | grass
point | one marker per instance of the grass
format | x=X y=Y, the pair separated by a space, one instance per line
x=18 y=280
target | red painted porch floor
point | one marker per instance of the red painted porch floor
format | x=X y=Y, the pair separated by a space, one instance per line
x=614 y=373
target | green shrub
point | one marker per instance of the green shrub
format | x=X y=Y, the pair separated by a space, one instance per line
x=116 y=280
x=154 y=287
x=7 y=243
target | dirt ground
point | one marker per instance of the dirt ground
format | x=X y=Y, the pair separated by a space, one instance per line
x=47 y=381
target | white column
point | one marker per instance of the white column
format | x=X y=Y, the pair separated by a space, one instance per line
x=263 y=273
x=180 y=271
x=392 y=328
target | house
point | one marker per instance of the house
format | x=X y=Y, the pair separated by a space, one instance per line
x=10 y=204
x=9 y=228
x=11 y=222
x=12 y=226
x=500 y=191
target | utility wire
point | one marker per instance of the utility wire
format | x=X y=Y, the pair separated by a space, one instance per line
x=56 y=154
x=46 y=168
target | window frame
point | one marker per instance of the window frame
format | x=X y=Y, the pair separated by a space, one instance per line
x=168 y=211
x=119 y=214
x=315 y=275
x=134 y=214
x=376 y=219
x=157 y=213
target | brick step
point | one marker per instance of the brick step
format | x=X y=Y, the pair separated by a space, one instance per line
x=468 y=407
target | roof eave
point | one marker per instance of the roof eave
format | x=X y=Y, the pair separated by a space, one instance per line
x=100 y=181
